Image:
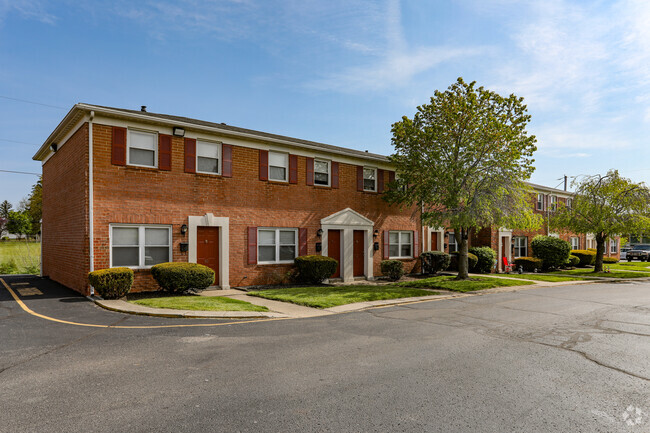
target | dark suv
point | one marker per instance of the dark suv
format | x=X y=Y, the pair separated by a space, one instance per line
x=641 y=252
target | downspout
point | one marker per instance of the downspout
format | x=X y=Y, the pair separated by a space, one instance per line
x=90 y=196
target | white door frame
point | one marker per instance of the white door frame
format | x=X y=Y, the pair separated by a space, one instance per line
x=209 y=220
x=508 y=234
x=441 y=239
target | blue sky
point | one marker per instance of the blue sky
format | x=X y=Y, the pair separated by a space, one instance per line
x=336 y=71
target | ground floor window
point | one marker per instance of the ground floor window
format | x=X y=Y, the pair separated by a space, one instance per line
x=276 y=245
x=400 y=244
x=453 y=244
x=140 y=246
x=575 y=243
x=521 y=246
x=613 y=246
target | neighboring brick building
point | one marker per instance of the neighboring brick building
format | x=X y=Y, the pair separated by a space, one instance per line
x=149 y=188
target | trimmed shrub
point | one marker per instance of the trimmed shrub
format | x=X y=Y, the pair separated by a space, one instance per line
x=179 y=277
x=553 y=251
x=471 y=261
x=586 y=257
x=592 y=249
x=434 y=261
x=314 y=269
x=573 y=261
x=610 y=260
x=112 y=283
x=528 y=264
x=393 y=269
x=487 y=257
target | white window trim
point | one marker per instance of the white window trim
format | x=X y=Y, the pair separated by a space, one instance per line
x=329 y=172
x=452 y=235
x=553 y=203
x=141 y=240
x=277 y=245
x=219 y=156
x=128 y=147
x=613 y=243
x=519 y=248
x=572 y=238
x=364 y=179
x=399 y=243
x=569 y=203
x=286 y=168
x=537 y=205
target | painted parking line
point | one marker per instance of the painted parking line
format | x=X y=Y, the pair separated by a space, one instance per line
x=92 y=325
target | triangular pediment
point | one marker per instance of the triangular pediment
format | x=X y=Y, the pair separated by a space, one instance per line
x=346 y=217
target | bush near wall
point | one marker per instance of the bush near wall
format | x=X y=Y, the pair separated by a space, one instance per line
x=573 y=261
x=487 y=257
x=472 y=260
x=553 y=251
x=111 y=283
x=393 y=269
x=314 y=269
x=179 y=277
x=586 y=257
x=434 y=261
x=528 y=264
x=610 y=260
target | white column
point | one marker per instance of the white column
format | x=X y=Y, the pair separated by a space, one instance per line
x=347 y=257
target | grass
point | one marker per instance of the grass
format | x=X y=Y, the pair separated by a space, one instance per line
x=204 y=303
x=547 y=278
x=476 y=283
x=641 y=266
x=20 y=257
x=332 y=296
x=613 y=274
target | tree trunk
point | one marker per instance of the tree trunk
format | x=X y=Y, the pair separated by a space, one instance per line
x=463 y=266
x=600 y=252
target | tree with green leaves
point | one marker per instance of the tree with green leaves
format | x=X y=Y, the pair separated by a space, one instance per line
x=5 y=208
x=605 y=206
x=19 y=223
x=35 y=206
x=463 y=161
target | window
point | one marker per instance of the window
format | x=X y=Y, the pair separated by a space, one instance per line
x=453 y=244
x=540 y=201
x=575 y=243
x=521 y=246
x=276 y=245
x=321 y=172
x=142 y=148
x=553 y=203
x=369 y=179
x=612 y=246
x=400 y=244
x=140 y=246
x=207 y=157
x=278 y=166
x=569 y=203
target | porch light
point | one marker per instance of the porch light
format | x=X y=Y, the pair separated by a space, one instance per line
x=54 y=146
x=179 y=132
x=184 y=229
x=319 y=232
x=375 y=234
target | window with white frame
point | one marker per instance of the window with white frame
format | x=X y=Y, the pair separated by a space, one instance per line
x=143 y=147
x=400 y=244
x=369 y=179
x=575 y=243
x=321 y=172
x=569 y=203
x=613 y=246
x=278 y=166
x=453 y=244
x=521 y=246
x=208 y=155
x=276 y=245
x=540 y=201
x=553 y=203
x=140 y=246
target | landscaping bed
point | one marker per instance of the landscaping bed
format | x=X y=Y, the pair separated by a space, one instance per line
x=471 y=285
x=196 y=303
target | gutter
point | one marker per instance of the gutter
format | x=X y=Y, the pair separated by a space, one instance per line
x=90 y=197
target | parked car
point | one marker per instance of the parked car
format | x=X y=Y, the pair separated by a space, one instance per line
x=640 y=252
x=624 y=251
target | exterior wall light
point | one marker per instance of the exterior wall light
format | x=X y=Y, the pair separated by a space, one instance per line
x=184 y=229
x=319 y=232
x=179 y=132
x=375 y=234
x=54 y=147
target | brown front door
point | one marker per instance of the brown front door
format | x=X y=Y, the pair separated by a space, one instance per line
x=358 y=253
x=207 y=248
x=334 y=249
x=434 y=241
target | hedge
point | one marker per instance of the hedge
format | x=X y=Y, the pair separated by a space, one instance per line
x=553 y=251
x=179 y=277
x=393 y=269
x=528 y=264
x=487 y=257
x=314 y=269
x=472 y=260
x=434 y=261
x=111 y=283
x=610 y=260
x=586 y=257
x=573 y=261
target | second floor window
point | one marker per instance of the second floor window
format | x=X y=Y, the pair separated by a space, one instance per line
x=569 y=203
x=369 y=179
x=278 y=166
x=540 y=201
x=321 y=172
x=553 y=203
x=207 y=157
x=142 y=148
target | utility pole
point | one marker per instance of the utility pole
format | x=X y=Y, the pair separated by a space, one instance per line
x=565 y=182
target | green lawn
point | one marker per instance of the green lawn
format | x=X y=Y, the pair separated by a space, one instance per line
x=476 y=283
x=613 y=274
x=332 y=296
x=205 y=303
x=547 y=278
x=20 y=257
x=640 y=266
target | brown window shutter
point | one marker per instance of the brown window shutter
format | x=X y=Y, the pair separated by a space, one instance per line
x=359 y=178
x=335 y=175
x=118 y=146
x=310 y=171
x=190 y=155
x=293 y=168
x=386 y=245
x=380 y=180
x=226 y=151
x=164 y=152
x=303 y=241
x=264 y=165
x=252 y=245
x=391 y=176
x=416 y=244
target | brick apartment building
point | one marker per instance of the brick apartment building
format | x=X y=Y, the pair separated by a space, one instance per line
x=132 y=188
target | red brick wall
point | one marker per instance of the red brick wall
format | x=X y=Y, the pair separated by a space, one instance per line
x=65 y=221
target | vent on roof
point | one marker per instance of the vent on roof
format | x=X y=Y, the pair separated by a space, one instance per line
x=143 y=108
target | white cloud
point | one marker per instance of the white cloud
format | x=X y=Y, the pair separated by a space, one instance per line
x=29 y=9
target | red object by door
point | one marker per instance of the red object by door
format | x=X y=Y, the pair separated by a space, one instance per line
x=334 y=249
x=207 y=249
x=358 y=253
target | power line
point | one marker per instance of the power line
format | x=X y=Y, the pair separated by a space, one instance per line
x=20 y=172
x=32 y=102
x=19 y=142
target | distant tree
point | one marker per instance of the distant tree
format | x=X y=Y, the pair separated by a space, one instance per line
x=3 y=227
x=463 y=160
x=35 y=206
x=605 y=206
x=5 y=208
x=19 y=223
